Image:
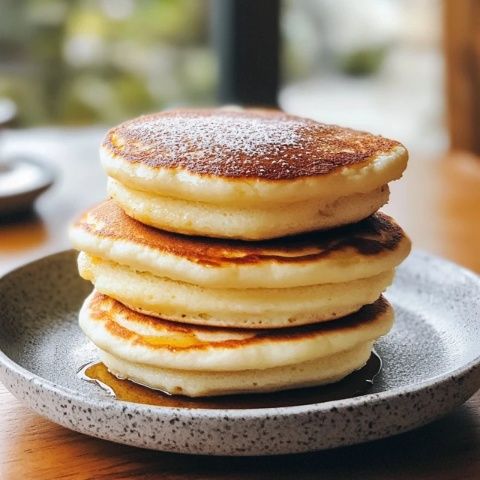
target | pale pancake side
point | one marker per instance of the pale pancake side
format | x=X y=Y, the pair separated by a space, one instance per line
x=234 y=308
x=139 y=338
x=315 y=372
x=356 y=251
x=245 y=223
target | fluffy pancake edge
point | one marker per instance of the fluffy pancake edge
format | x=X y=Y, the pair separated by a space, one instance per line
x=177 y=183
x=107 y=232
x=234 y=308
x=203 y=384
x=114 y=328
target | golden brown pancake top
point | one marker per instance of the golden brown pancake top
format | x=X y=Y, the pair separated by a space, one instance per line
x=372 y=236
x=176 y=336
x=251 y=143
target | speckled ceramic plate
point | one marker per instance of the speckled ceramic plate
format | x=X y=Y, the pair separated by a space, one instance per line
x=431 y=364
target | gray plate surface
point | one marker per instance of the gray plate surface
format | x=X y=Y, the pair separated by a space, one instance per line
x=431 y=364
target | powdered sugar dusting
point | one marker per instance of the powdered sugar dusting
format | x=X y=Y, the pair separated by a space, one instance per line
x=248 y=143
x=249 y=136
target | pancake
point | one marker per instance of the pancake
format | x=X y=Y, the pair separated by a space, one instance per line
x=316 y=372
x=293 y=173
x=173 y=356
x=363 y=250
x=230 y=307
x=245 y=223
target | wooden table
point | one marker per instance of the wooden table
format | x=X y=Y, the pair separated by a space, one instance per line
x=438 y=203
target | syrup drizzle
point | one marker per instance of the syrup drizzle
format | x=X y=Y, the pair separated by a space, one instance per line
x=356 y=384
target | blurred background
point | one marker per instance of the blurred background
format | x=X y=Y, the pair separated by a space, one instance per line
x=69 y=69
x=374 y=64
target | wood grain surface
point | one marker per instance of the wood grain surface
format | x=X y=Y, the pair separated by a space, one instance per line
x=437 y=202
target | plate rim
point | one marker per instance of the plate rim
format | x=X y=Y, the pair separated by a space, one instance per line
x=250 y=413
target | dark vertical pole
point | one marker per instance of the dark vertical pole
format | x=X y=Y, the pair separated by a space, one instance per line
x=246 y=35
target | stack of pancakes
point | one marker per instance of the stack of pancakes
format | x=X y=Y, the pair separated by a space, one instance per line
x=241 y=251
